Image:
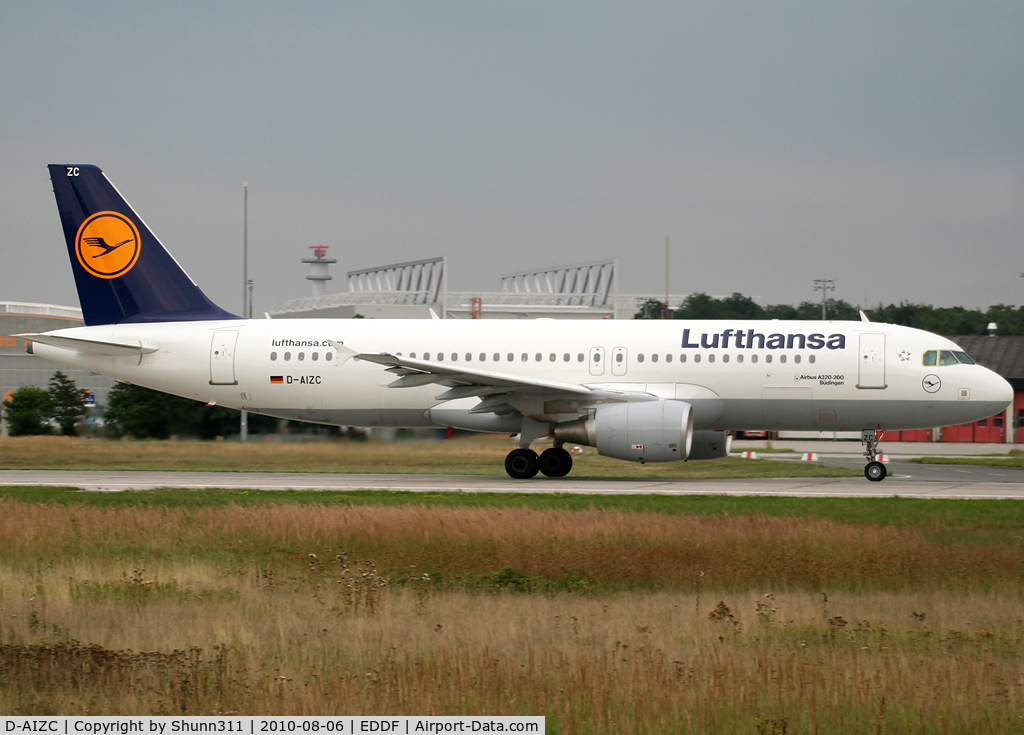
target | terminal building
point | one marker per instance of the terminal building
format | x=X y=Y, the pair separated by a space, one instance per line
x=19 y=369
x=417 y=289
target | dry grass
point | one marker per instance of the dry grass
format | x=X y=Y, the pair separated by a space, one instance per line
x=596 y=549
x=252 y=610
x=623 y=663
x=472 y=455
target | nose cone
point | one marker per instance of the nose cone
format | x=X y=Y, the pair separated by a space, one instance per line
x=999 y=391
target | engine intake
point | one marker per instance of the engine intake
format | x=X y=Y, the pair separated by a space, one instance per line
x=651 y=431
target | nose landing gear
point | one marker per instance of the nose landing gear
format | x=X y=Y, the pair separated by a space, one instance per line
x=875 y=470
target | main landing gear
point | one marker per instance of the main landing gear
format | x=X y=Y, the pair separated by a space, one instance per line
x=875 y=470
x=523 y=463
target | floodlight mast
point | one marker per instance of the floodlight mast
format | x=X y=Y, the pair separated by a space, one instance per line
x=243 y=429
x=665 y=310
x=824 y=285
x=245 y=248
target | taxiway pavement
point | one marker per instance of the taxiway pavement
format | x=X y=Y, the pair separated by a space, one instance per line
x=950 y=484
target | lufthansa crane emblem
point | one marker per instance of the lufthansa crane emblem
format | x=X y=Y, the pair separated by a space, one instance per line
x=107 y=245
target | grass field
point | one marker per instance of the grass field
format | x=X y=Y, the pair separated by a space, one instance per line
x=605 y=614
x=464 y=455
x=1014 y=458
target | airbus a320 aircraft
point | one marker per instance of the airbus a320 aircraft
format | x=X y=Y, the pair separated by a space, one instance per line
x=641 y=391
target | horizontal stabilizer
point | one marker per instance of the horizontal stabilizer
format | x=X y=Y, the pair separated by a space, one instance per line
x=90 y=346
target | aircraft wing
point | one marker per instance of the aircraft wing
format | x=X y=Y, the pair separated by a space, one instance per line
x=91 y=346
x=500 y=393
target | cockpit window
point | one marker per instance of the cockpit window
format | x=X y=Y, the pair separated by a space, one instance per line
x=946 y=357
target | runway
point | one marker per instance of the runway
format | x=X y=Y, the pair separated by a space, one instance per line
x=900 y=483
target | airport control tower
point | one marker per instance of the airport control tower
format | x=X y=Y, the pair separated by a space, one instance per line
x=319 y=272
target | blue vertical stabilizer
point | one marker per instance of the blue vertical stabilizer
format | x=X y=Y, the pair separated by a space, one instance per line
x=122 y=272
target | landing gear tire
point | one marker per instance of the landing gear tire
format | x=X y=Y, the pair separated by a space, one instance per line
x=521 y=464
x=555 y=462
x=875 y=471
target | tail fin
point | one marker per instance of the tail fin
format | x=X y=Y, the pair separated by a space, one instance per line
x=122 y=272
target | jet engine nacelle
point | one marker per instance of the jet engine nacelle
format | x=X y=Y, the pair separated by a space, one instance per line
x=710 y=445
x=649 y=431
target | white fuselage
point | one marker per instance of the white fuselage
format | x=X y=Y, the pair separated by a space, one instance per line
x=735 y=374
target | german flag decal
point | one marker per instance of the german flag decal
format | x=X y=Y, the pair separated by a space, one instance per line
x=276 y=378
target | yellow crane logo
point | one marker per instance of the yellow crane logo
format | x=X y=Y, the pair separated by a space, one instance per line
x=107 y=244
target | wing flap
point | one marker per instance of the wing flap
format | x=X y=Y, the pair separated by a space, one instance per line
x=472 y=376
x=499 y=393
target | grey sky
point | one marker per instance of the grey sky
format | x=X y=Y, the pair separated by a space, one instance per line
x=877 y=143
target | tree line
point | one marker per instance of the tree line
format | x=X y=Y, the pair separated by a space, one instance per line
x=945 y=320
x=131 y=410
